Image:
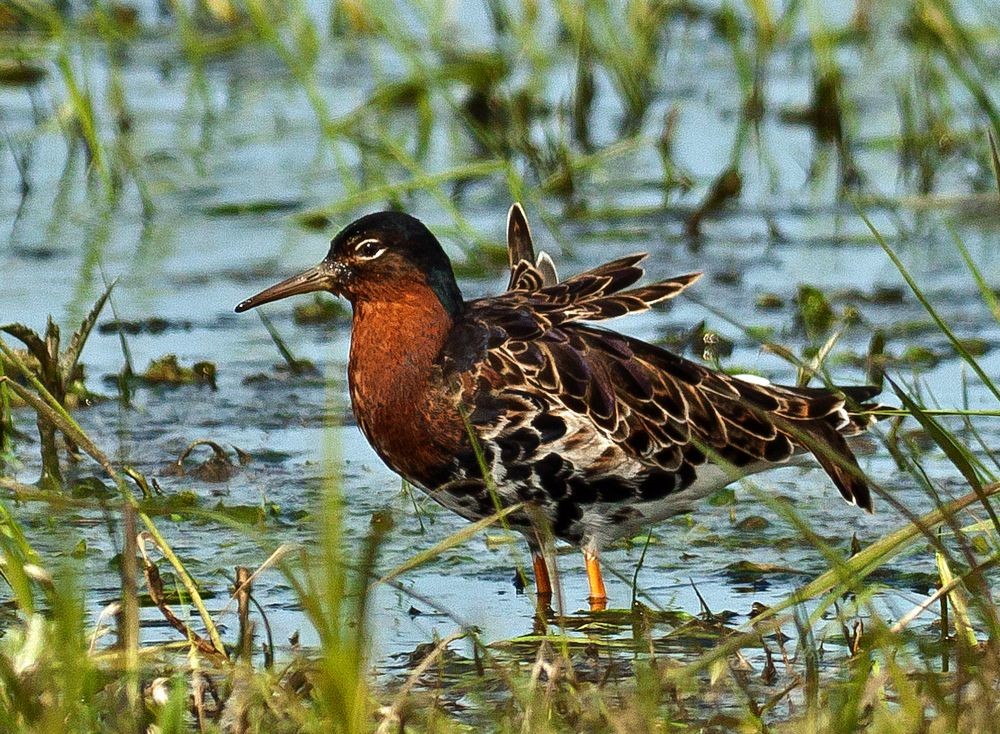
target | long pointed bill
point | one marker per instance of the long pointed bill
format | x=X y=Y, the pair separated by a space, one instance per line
x=319 y=278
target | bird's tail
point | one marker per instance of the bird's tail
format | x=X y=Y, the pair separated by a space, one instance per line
x=827 y=440
x=860 y=411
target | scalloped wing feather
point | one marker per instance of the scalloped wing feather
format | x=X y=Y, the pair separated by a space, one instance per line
x=643 y=412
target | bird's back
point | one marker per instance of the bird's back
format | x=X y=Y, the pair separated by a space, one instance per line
x=607 y=433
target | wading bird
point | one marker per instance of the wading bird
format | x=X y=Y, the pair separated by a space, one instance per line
x=519 y=398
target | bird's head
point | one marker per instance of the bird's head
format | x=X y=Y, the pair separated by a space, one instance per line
x=380 y=257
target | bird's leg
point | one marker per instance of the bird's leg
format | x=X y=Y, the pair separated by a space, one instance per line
x=542 y=554
x=543 y=590
x=543 y=584
x=598 y=594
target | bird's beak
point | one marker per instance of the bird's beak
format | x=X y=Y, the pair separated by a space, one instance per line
x=323 y=277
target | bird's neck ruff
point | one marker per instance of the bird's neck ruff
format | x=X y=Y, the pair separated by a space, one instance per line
x=396 y=389
x=408 y=324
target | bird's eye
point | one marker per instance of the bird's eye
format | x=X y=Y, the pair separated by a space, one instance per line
x=369 y=249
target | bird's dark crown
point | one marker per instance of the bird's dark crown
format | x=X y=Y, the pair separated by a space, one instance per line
x=385 y=246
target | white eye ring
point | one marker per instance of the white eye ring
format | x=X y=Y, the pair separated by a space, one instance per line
x=359 y=248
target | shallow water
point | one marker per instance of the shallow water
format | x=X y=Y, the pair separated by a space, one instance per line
x=252 y=140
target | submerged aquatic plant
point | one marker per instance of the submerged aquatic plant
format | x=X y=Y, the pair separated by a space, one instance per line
x=58 y=370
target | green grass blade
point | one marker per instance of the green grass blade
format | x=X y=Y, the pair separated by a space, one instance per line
x=922 y=298
x=959 y=456
x=989 y=297
x=955 y=453
x=451 y=541
x=995 y=156
x=963 y=622
x=71 y=357
x=286 y=353
x=833 y=584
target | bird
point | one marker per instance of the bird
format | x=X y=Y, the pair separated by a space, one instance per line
x=525 y=400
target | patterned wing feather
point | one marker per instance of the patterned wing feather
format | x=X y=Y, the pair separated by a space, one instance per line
x=519 y=243
x=594 y=295
x=577 y=417
x=527 y=273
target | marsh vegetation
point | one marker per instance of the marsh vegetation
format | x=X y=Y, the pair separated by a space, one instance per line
x=194 y=536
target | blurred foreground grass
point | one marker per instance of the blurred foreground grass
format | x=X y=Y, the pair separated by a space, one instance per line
x=548 y=103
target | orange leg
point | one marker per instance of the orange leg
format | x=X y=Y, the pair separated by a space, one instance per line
x=543 y=584
x=598 y=594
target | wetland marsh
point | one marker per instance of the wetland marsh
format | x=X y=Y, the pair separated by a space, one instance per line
x=194 y=153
